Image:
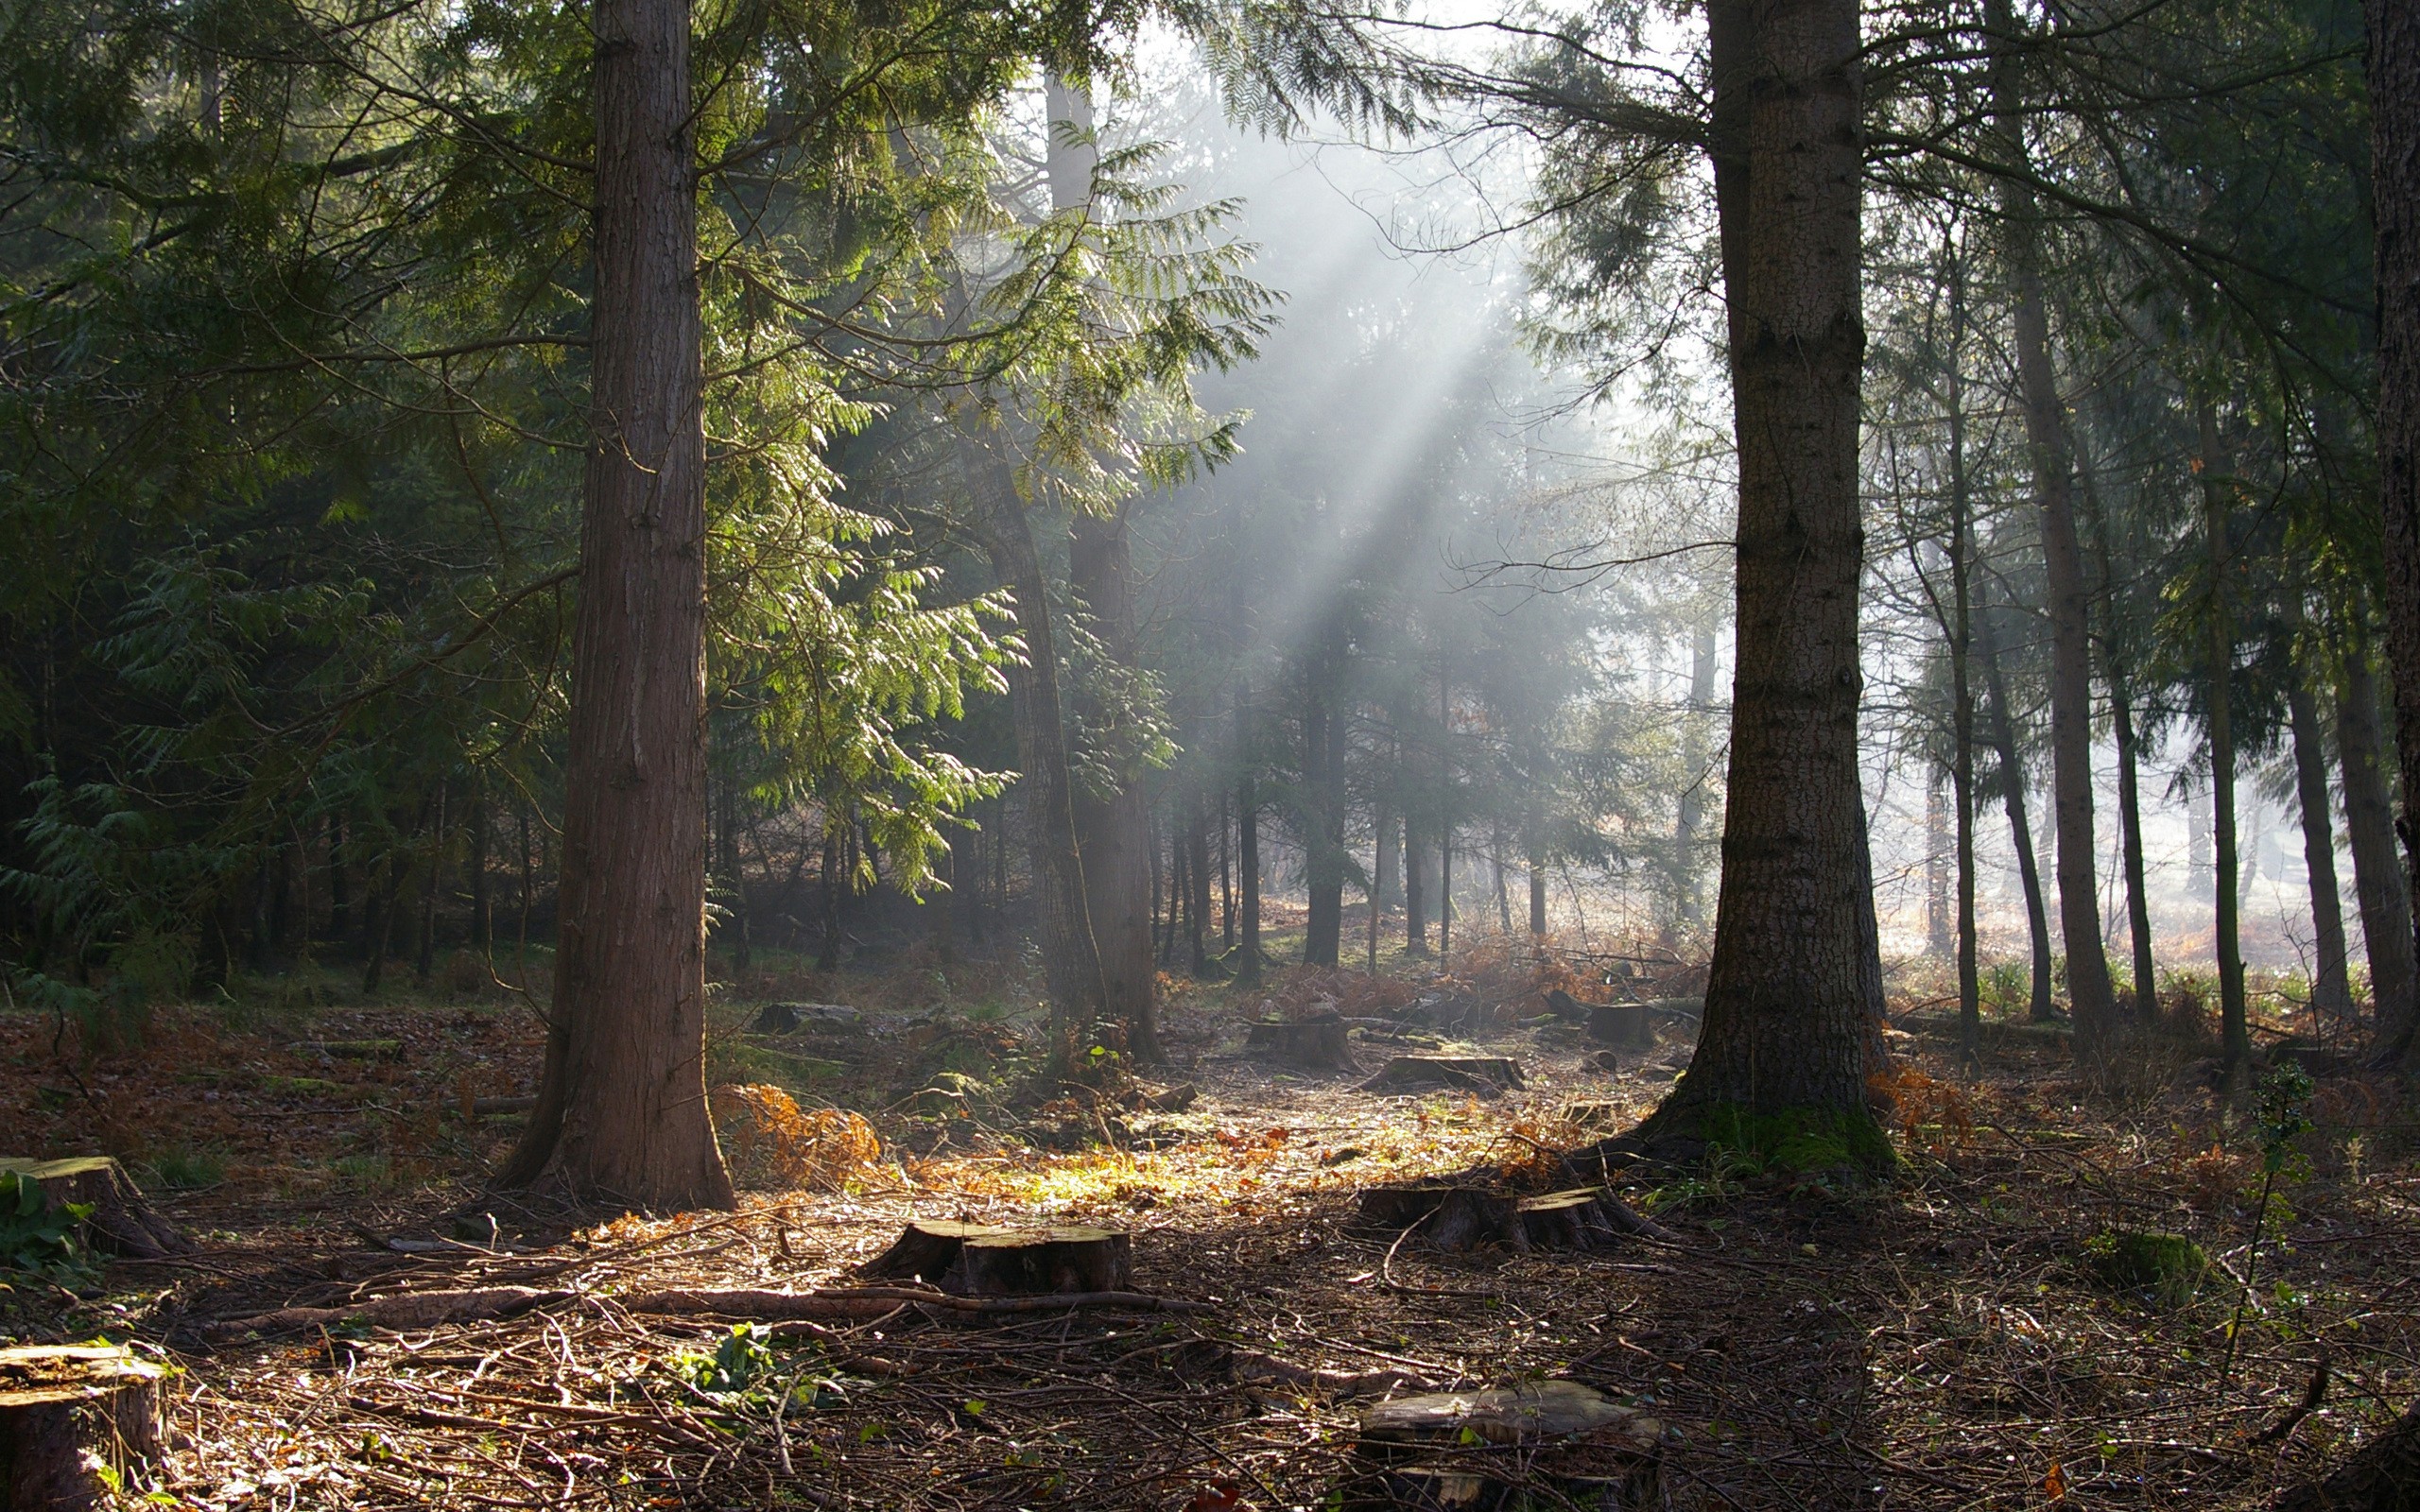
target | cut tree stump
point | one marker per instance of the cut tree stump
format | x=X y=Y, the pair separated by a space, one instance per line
x=1487 y=1450
x=1627 y=1025
x=1486 y=1075
x=986 y=1260
x=1463 y=1218
x=121 y=1222
x=1317 y=1045
x=790 y=1017
x=70 y=1417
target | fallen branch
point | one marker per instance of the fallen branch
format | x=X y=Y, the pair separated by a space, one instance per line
x=405 y=1310
x=873 y=1302
x=1251 y=1364
x=2313 y=1395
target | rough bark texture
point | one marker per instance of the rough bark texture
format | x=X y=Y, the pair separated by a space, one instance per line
x=2369 y=830
x=2330 y=992
x=2046 y=433
x=621 y=1109
x=1792 y=991
x=2395 y=187
x=73 y=1416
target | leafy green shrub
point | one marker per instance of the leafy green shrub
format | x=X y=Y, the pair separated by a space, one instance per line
x=37 y=1238
x=2128 y=1260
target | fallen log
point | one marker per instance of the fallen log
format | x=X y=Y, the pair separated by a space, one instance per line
x=874 y=1302
x=121 y=1221
x=74 y=1418
x=1477 y=1449
x=401 y=1310
x=1486 y=1075
x=2383 y=1475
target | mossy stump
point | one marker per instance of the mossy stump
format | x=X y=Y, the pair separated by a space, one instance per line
x=2171 y=1266
x=122 y=1221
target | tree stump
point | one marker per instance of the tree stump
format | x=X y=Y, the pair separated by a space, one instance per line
x=927 y=1249
x=67 y=1412
x=1622 y=1024
x=1593 y=1115
x=1457 y=1219
x=1477 y=1451
x=986 y=1260
x=121 y=1222
x=1318 y=1044
x=1485 y=1075
x=790 y=1017
x=1043 y=1260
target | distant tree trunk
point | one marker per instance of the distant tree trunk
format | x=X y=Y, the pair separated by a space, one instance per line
x=1070 y=954
x=339 y=884
x=1112 y=828
x=1226 y=880
x=1537 y=893
x=734 y=885
x=2394 y=76
x=483 y=895
x=1197 y=861
x=1247 y=842
x=378 y=925
x=1445 y=911
x=1415 y=891
x=2369 y=831
x=2219 y=668
x=2088 y=989
x=1383 y=860
x=827 y=892
x=1322 y=848
x=1496 y=866
x=621 y=1109
x=528 y=890
x=1938 y=929
x=2116 y=662
x=2012 y=765
x=1961 y=631
x=2331 y=993
x=424 y=938
x=1792 y=994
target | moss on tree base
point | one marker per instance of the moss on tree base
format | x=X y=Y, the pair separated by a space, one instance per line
x=1783 y=1141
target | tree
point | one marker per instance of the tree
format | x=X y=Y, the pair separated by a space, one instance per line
x=2394 y=72
x=621 y=1109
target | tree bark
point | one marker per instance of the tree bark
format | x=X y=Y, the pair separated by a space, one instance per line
x=2029 y=870
x=2330 y=993
x=1689 y=817
x=1961 y=682
x=621 y=1110
x=2235 y=1027
x=2393 y=72
x=1794 y=992
x=2369 y=830
x=2116 y=665
x=2088 y=989
x=1197 y=861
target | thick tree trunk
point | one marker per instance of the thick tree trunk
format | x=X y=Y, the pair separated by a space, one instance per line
x=1962 y=680
x=2395 y=192
x=621 y=1110
x=2029 y=871
x=1794 y=992
x=2369 y=830
x=1071 y=964
x=2088 y=989
x=2330 y=993
x=2235 y=1028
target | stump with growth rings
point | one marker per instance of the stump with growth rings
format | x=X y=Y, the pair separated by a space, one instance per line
x=73 y=1416
x=987 y=1260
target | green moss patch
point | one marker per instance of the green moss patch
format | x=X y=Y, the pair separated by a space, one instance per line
x=1795 y=1141
x=2126 y=1260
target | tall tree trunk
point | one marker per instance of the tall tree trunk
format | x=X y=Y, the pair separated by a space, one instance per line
x=621 y=1109
x=2088 y=989
x=2330 y=993
x=424 y=937
x=1939 y=930
x=2394 y=73
x=1322 y=846
x=1445 y=914
x=339 y=884
x=1071 y=956
x=1415 y=891
x=1961 y=682
x=2220 y=667
x=1247 y=842
x=2369 y=830
x=482 y=893
x=1197 y=861
x=2117 y=663
x=1226 y=880
x=2029 y=871
x=1792 y=994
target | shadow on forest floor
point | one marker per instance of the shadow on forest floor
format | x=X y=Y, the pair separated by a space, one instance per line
x=1942 y=1343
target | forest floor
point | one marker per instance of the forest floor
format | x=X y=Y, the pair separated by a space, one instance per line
x=1942 y=1341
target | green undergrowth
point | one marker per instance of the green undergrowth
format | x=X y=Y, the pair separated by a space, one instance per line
x=1743 y=1143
